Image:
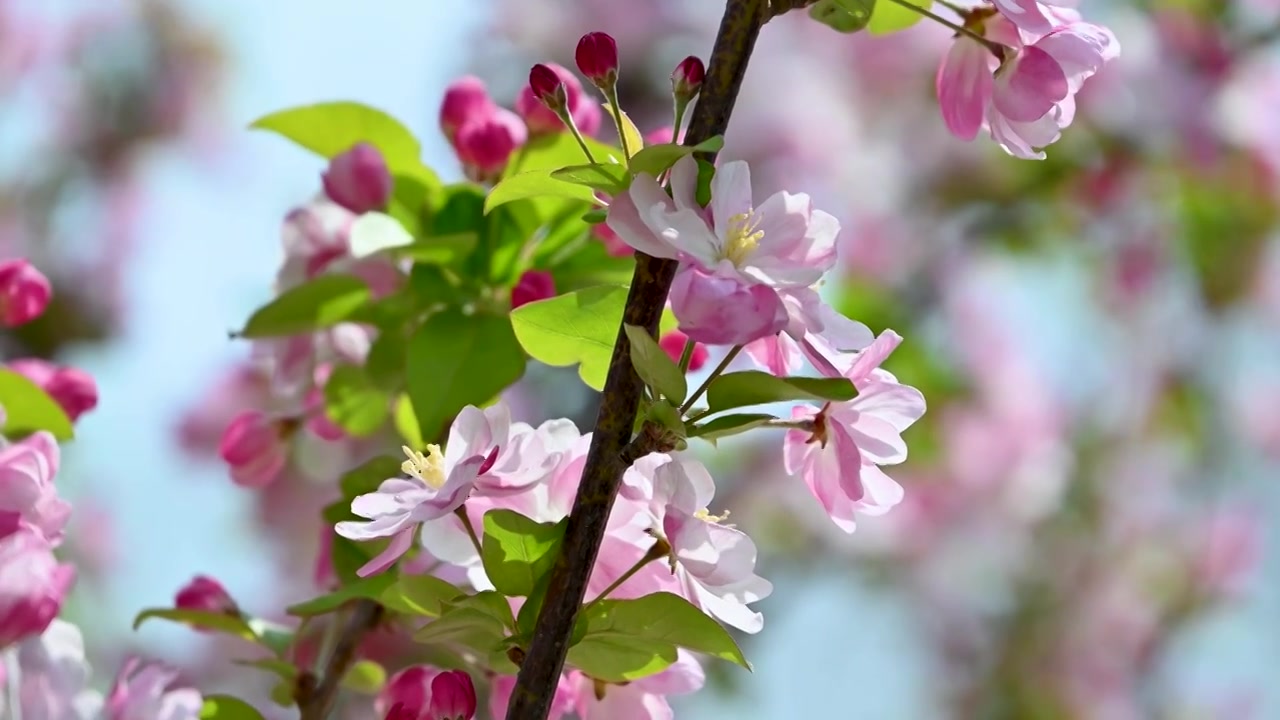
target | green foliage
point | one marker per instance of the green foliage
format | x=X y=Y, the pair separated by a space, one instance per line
x=890 y=17
x=535 y=184
x=654 y=366
x=706 y=173
x=518 y=552
x=753 y=387
x=354 y=401
x=656 y=159
x=456 y=360
x=727 y=425
x=846 y=16
x=216 y=622
x=370 y=588
x=577 y=328
x=423 y=595
x=225 y=707
x=627 y=640
x=374 y=232
x=28 y=409
x=635 y=140
x=365 y=677
x=610 y=179
x=467 y=626
x=330 y=129
x=314 y=305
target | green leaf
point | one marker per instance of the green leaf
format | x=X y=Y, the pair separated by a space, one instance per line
x=28 y=409
x=457 y=360
x=441 y=249
x=218 y=622
x=846 y=16
x=753 y=387
x=655 y=366
x=463 y=626
x=595 y=217
x=370 y=588
x=889 y=17
x=406 y=421
x=557 y=150
x=667 y=416
x=365 y=677
x=225 y=707
x=706 y=172
x=374 y=232
x=577 y=328
x=354 y=402
x=280 y=668
x=430 y=286
x=611 y=179
x=316 y=304
x=331 y=128
x=490 y=602
x=664 y=617
x=635 y=140
x=535 y=184
x=656 y=159
x=423 y=595
x=366 y=477
x=517 y=552
x=728 y=425
x=613 y=654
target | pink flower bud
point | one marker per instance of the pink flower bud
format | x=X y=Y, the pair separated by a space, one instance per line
x=255 y=448
x=662 y=136
x=687 y=79
x=465 y=99
x=205 y=594
x=24 y=293
x=74 y=390
x=410 y=689
x=534 y=285
x=32 y=585
x=722 y=311
x=548 y=87
x=453 y=697
x=597 y=58
x=27 y=492
x=542 y=119
x=359 y=180
x=485 y=145
x=673 y=343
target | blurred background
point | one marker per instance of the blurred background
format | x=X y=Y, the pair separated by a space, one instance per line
x=1090 y=497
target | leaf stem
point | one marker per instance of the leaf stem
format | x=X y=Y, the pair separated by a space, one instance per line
x=728 y=358
x=611 y=94
x=687 y=356
x=461 y=512
x=567 y=118
x=659 y=550
x=994 y=47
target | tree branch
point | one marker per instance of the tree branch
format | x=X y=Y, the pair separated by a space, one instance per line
x=316 y=697
x=544 y=660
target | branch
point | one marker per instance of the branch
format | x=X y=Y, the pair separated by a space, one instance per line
x=316 y=697
x=544 y=661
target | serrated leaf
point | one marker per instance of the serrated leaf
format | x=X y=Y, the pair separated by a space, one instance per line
x=517 y=552
x=610 y=179
x=656 y=159
x=456 y=360
x=753 y=387
x=577 y=328
x=225 y=707
x=216 y=622
x=655 y=366
x=316 y=304
x=28 y=408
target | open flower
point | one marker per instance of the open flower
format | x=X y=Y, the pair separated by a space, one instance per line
x=143 y=691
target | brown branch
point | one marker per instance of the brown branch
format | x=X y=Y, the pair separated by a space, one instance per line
x=544 y=660
x=317 y=696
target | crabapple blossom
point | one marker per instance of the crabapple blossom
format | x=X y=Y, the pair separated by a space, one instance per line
x=485 y=144
x=207 y=595
x=1036 y=16
x=453 y=697
x=465 y=99
x=54 y=680
x=144 y=691
x=409 y=688
x=33 y=585
x=643 y=699
x=547 y=82
x=256 y=447
x=27 y=492
x=673 y=344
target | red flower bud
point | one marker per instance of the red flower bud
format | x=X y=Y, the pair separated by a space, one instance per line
x=687 y=79
x=206 y=595
x=673 y=344
x=548 y=88
x=465 y=99
x=597 y=58
x=485 y=145
x=453 y=697
x=24 y=293
x=534 y=285
x=358 y=179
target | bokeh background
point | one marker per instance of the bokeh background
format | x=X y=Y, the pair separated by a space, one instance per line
x=1087 y=529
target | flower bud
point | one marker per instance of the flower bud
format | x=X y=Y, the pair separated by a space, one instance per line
x=548 y=88
x=485 y=145
x=24 y=293
x=465 y=99
x=722 y=311
x=662 y=136
x=673 y=344
x=533 y=285
x=409 y=689
x=453 y=697
x=597 y=58
x=687 y=79
x=74 y=390
x=543 y=119
x=255 y=448
x=32 y=586
x=205 y=594
x=358 y=179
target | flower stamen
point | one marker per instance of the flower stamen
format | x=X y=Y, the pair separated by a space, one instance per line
x=742 y=236
x=428 y=468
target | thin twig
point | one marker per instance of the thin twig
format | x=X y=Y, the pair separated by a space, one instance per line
x=316 y=702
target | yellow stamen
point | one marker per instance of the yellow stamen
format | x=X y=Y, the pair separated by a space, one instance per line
x=428 y=468
x=741 y=237
x=706 y=516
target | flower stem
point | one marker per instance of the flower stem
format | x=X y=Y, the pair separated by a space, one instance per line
x=659 y=550
x=612 y=95
x=687 y=356
x=994 y=47
x=567 y=118
x=681 y=107
x=471 y=530
x=728 y=358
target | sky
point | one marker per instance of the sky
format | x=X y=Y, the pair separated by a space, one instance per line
x=209 y=251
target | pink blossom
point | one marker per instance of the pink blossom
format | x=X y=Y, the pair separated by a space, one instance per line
x=613 y=245
x=33 y=585
x=143 y=691
x=465 y=99
x=1037 y=16
x=24 y=293
x=838 y=459
x=1227 y=551
x=74 y=390
x=485 y=144
x=673 y=344
x=409 y=688
x=206 y=594
x=719 y=310
x=453 y=697
x=714 y=563
x=533 y=285
x=541 y=120
x=256 y=447
x=313 y=237
x=27 y=492
x=358 y=179
x=643 y=699
x=54 y=682
x=815 y=331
